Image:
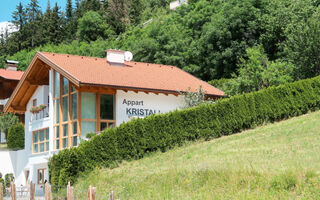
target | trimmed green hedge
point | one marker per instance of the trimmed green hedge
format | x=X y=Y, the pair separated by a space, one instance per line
x=134 y=139
x=15 y=138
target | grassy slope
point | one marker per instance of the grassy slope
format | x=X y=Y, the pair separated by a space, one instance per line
x=276 y=161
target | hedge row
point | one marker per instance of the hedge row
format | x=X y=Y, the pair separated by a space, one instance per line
x=134 y=139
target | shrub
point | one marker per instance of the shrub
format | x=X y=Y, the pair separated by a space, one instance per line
x=16 y=137
x=3 y=185
x=8 y=179
x=134 y=139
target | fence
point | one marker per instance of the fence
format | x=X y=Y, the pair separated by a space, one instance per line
x=41 y=114
x=28 y=192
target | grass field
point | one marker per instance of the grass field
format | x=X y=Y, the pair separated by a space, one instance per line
x=3 y=146
x=275 y=161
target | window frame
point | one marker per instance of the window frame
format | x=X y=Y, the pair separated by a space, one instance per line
x=46 y=131
x=72 y=89
x=69 y=122
x=38 y=180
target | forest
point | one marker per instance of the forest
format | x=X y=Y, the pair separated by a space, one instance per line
x=238 y=46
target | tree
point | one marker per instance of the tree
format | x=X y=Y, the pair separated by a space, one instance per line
x=16 y=137
x=257 y=72
x=302 y=46
x=118 y=13
x=33 y=16
x=225 y=38
x=33 y=11
x=91 y=27
x=69 y=10
x=71 y=21
x=6 y=121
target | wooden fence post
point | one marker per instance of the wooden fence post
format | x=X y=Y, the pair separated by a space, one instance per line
x=1 y=191
x=47 y=191
x=91 y=193
x=111 y=196
x=32 y=191
x=13 y=191
x=69 y=192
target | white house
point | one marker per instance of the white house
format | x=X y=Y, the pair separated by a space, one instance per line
x=175 y=4
x=9 y=78
x=64 y=97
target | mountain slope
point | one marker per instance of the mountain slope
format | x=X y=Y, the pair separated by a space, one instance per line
x=276 y=161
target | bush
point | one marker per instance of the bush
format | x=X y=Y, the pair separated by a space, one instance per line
x=8 y=179
x=3 y=185
x=15 y=138
x=134 y=139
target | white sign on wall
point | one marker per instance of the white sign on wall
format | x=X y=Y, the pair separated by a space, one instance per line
x=139 y=105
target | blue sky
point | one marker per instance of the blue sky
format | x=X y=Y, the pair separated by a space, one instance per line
x=9 y=6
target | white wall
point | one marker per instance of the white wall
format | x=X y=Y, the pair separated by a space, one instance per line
x=175 y=4
x=41 y=94
x=7 y=161
x=13 y=162
x=131 y=104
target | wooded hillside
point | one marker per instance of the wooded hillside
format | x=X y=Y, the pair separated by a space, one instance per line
x=251 y=44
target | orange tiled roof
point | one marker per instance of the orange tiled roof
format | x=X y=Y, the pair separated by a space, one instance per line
x=11 y=75
x=97 y=71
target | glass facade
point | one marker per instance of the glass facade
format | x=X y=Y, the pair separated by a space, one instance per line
x=56 y=84
x=67 y=107
x=74 y=106
x=65 y=86
x=88 y=105
x=88 y=127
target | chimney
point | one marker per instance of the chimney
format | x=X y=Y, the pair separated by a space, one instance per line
x=11 y=65
x=118 y=57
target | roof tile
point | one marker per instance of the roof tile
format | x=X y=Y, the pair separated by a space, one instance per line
x=11 y=75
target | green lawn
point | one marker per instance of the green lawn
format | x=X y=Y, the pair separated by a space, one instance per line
x=275 y=161
x=3 y=146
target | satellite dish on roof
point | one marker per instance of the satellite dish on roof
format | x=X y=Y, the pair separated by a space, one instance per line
x=128 y=56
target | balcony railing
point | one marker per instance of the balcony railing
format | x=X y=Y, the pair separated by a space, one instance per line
x=41 y=114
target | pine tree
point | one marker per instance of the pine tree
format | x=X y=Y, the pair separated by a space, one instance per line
x=19 y=20
x=69 y=10
x=33 y=16
x=48 y=7
x=33 y=11
x=19 y=16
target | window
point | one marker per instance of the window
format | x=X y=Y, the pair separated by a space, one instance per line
x=88 y=107
x=40 y=141
x=65 y=108
x=74 y=106
x=79 y=112
x=106 y=107
x=34 y=102
x=66 y=113
x=65 y=86
x=88 y=113
x=75 y=134
x=57 y=137
x=27 y=173
x=40 y=176
x=56 y=84
x=106 y=111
